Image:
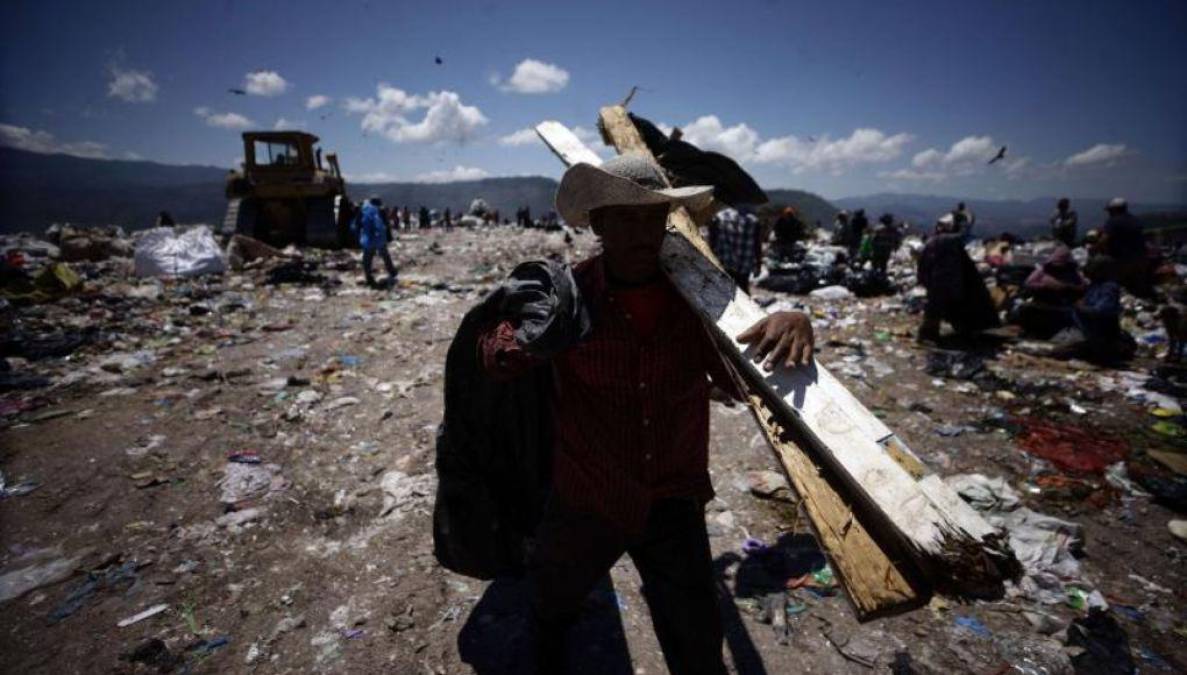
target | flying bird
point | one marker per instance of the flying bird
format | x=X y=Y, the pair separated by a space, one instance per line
x=438 y=60
x=238 y=92
x=1001 y=154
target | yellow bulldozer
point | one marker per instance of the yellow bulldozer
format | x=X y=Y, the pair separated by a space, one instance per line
x=286 y=192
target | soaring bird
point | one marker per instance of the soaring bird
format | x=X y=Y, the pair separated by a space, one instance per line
x=1001 y=154
x=238 y=92
x=438 y=60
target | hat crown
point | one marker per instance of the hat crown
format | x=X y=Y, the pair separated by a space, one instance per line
x=637 y=169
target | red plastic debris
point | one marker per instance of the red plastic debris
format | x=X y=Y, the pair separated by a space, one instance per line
x=1070 y=448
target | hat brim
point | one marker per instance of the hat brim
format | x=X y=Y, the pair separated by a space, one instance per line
x=585 y=187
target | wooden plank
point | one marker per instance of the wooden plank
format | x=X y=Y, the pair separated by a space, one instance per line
x=565 y=144
x=874 y=584
x=947 y=538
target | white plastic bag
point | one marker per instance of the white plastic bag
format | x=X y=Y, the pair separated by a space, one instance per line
x=163 y=252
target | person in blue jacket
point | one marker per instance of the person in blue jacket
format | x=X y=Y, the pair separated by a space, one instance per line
x=370 y=224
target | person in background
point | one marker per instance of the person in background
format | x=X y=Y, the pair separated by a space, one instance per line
x=789 y=229
x=965 y=220
x=956 y=292
x=448 y=219
x=165 y=220
x=630 y=404
x=735 y=236
x=1097 y=317
x=1063 y=223
x=370 y=224
x=886 y=240
x=1051 y=290
x=1123 y=239
x=841 y=228
x=857 y=232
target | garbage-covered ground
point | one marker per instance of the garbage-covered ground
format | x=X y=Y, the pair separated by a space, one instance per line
x=234 y=473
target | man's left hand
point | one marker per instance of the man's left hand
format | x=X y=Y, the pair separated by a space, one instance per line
x=781 y=337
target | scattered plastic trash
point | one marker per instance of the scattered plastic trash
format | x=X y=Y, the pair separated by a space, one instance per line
x=1168 y=429
x=973 y=625
x=208 y=647
x=401 y=491
x=985 y=493
x=141 y=616
x=1178 y=528
x=1117 y=476
x=1071 y=448
x=113 y=577
x=768 y=484
x=752 y=546
x=831 y=293
x=18 y=489
x=16 y=583
x=243 y=482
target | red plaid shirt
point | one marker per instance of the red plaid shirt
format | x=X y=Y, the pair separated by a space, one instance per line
x=631 y=410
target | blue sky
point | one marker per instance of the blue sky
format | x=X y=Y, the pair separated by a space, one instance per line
x=845 y=99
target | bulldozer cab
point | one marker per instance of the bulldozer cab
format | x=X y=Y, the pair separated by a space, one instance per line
x=281 y=155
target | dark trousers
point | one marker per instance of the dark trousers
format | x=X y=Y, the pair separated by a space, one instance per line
x=574 y=550
x=369 y=254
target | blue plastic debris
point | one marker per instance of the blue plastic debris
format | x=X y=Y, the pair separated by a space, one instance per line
x=974 y=625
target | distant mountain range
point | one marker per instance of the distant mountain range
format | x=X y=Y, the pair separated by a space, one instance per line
x=37 y=190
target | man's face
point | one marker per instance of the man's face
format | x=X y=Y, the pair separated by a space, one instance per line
x=631 y=239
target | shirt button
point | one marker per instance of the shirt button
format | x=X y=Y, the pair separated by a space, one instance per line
x=646 y=422
x=642 y=385
x=647 y=456
x=627 y=315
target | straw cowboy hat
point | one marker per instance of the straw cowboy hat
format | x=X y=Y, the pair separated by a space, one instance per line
x=626 y=180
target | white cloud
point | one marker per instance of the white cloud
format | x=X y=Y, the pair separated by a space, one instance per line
x=132 y=86
x=457 y=173
x=227 y=120
x=283 y=124
x=446 y=118
x=928 y=157
x=863 y=146
x=23 y=138
x=707 y=133
x=316 y=101
x=966 y=156
x=265 y=83
x=1101 y=153
x=376 y=177
x=913 y=175
x=522 y=137
x=970 y=150
x=534 y=77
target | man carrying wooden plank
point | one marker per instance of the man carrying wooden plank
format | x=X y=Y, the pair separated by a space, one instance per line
x=631 y=413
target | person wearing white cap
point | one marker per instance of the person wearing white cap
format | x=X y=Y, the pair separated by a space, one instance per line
x=630 y=412
x=1123 y=239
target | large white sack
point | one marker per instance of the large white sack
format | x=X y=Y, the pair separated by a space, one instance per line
x=163 y=252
